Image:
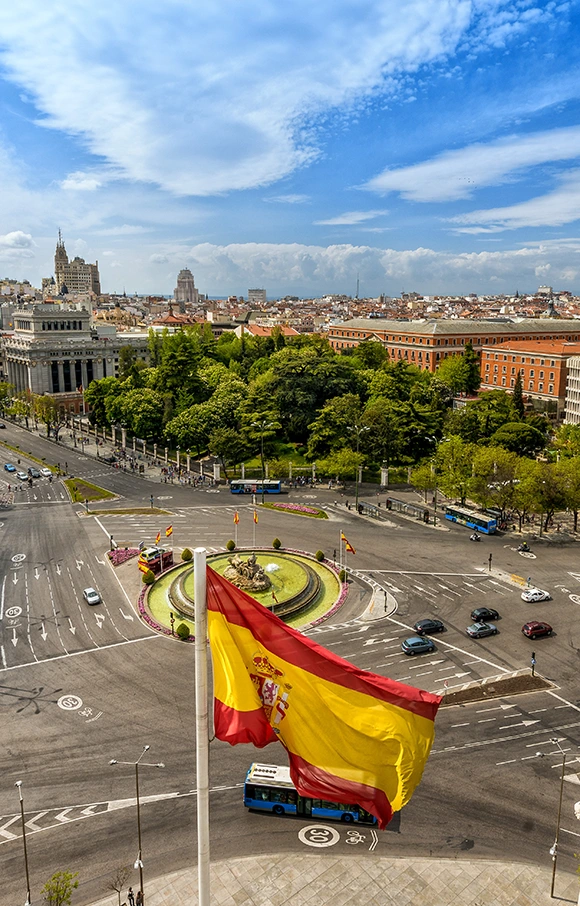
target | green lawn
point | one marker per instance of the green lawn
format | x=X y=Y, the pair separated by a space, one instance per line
x=82 y=490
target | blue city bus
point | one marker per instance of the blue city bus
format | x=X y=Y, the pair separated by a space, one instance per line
x=254 y=486
x=268 y=788
x=485 y=524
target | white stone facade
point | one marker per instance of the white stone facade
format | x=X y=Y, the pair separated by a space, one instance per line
x=572 y=416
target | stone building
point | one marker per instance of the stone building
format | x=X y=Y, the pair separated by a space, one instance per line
x=257 y=297
x=76 y=276
x=185 y=290
x=573 y=392
x=55 y=350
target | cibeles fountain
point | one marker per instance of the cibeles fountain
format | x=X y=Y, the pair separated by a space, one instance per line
x=289 y=583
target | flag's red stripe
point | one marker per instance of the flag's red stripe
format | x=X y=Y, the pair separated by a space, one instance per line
x=242 y=726
x=312 y=781
x=286 y=643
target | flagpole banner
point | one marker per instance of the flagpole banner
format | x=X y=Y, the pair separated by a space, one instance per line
x=351 y=736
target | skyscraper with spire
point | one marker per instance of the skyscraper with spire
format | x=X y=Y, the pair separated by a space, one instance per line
x=76 y=276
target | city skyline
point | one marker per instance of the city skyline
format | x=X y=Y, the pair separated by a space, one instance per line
x=427 y=145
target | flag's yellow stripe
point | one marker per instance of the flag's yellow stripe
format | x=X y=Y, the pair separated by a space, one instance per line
x=360 y=738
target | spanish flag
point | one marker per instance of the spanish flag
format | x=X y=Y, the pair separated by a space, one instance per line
x=347 y=545
x=168 y=531
x=236 y=517
x=255 y=517
x=143 y=566
x=351 y=736
x=157 y=537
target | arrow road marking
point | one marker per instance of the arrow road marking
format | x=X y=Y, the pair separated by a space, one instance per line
x=15 y=579
x=375 y=840
x=32 y=823
x=70 y=625
x=100 y=620
x=44 y=633
x=36 y=574
x=62 y=816
x=124 y=615
x=523 y=723
x=102 y=562
x=80 y=563
x=6 y=833
x=14 y=640
x=57 y=569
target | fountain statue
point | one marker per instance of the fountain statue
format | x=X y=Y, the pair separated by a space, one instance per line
x=246 y=574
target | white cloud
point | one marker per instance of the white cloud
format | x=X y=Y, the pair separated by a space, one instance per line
x=454 y=175
x=553 y=209
x=16 y=240
x=204 y=99
x=313 y=270
x=351 y=217
x=289 y=199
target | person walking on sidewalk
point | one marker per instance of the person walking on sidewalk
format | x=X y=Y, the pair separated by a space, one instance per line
x=139 y=900
x=131 y=897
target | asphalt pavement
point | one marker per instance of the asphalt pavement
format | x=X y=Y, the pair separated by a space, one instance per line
x=70 y=701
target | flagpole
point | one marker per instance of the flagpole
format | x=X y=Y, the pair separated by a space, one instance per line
x=201 y=725
x=254 y=544
x=340 y=549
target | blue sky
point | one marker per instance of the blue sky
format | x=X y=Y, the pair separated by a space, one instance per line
x=429 y=145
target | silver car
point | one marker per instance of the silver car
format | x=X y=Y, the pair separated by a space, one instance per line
x=91 y=596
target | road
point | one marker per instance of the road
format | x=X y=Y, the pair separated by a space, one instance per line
x=81 y=685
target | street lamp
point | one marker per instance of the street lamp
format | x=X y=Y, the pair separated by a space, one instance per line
x=19 y=785
x=554 y=846
x=358 y=429
x=138 y=861
x=262 y=425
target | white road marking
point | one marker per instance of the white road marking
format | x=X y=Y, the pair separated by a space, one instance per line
x=453 y=726
x=2 y=598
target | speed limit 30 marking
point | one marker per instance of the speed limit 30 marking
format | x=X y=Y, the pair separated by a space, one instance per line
x=318 y=835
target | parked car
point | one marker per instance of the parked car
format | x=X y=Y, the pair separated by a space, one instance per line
x=91 y=596
x=417 y=645
x=22 y=476
x=531 y=595
x=9 y=467
x=2 y=425
x=426 y=627
x=33 y=472
x=46 y=473
x=535 y=628
x=484 y=614
x=480 y=630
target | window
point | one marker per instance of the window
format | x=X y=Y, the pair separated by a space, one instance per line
x=486 y=366
x=551 y=388
x=495 y=368
x=503 y=380
x=512 y=382
x=504 y=369
x=551 y=375
x=531 y=372
x=541 y=361
x=540 y=386
x=513 y=371
x=531 y=385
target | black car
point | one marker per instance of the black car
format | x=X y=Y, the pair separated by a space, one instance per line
x=426 y=627
x=484 y=614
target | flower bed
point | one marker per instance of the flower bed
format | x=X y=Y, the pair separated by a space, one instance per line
x=121 y=555
x=298 y=508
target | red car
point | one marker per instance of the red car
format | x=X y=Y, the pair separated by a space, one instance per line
x=535 y=628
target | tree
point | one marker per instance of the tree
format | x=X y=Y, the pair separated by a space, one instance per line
x=517 y=396
x=494 y=477
x=127 y=358
x=58 y=890
x=50 y=413
x=453 y=372
x=569 y=472
x=371 y=354
x=142 y=410
x=96 y=395
x=454 y=466
x=423 y=478
x=330 y=429
x=22 y=406
x=472 y=369
x=6 y=392
x=120 y=878
x=228 y=446
x=342 y=463
x=567 y=440
x=519 y=437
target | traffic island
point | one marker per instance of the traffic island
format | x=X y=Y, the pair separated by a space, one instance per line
x=517 y=683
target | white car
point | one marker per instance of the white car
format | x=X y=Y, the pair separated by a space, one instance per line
x=531 y=595
x=46 y=473
x=91 y=596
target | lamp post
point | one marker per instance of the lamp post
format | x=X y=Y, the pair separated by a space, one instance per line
x=19 y=785
x=138 y=861
x=554 y=848
x=358 y=429
x=262 y=425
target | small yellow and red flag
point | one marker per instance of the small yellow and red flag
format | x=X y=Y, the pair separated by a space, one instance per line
x=157 y=537
x=255 y=517
x=351 y=736
x=347 y=545
x=236 y=517
x=168 y=531
x=143 y=566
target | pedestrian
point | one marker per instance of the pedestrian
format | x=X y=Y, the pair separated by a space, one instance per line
x=139 y=900
x=131 y=897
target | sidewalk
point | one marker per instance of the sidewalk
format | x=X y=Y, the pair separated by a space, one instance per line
x=312 y=880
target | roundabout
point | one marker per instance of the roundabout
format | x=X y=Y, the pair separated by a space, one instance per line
x=294 y=585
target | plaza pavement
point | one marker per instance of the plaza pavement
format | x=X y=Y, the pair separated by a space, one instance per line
x=296 y=879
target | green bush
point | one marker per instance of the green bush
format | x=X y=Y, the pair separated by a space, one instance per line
x=319 y=556
x=148 y=577
x=231 y=545
x=342 y=575
x=186 y=555
x=276 y=544
x=183 y=631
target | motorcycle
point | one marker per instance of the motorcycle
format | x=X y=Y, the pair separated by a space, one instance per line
x=475 y=537
x=523 y=548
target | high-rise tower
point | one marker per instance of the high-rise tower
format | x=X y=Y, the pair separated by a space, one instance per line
x=74 y=276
